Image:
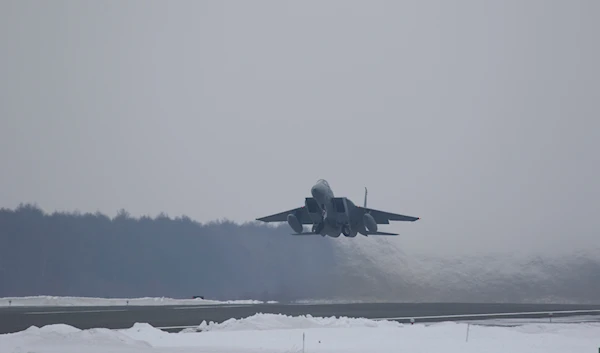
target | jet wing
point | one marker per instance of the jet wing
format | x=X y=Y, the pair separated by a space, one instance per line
x=382 y=217
x=300 y=212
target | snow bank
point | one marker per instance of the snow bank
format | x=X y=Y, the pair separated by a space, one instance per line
x=89 y=301
x=279 y=321
x=278 y=333
x=67 y=339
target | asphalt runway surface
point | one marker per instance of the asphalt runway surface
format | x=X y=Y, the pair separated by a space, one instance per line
x=178 y=317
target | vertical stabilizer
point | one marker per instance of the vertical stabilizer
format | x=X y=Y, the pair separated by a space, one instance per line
x=365 y=205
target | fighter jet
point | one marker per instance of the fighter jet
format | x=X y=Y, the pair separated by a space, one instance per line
x=332 y=216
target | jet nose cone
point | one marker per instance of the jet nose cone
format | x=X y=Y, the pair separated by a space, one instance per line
x=316 y=192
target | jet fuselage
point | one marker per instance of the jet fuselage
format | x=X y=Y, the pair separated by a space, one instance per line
x=333 y=219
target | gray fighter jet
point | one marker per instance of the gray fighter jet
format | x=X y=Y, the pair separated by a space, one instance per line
x=332 y=216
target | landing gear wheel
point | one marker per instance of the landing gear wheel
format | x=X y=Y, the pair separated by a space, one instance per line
x=346 y=230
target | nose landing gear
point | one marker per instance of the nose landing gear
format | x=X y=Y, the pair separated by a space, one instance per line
x=346 y=230
x=317 y=228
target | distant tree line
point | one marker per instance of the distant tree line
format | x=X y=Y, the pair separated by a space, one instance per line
x=94 y=255
x=75 y=254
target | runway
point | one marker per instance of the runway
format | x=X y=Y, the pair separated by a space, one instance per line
x=175 y=318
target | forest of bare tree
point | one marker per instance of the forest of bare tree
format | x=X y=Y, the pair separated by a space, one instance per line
x=93 y=255
x=84 y=254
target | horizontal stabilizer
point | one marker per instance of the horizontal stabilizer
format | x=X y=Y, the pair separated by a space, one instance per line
x=381 y=233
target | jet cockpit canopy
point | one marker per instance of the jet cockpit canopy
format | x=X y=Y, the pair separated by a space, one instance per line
x=323 y=181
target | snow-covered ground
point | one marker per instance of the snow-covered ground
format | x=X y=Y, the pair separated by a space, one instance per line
x=266 y=333
x=88 y=301
x=525 y=321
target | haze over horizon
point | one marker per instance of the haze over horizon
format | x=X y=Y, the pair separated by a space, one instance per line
x=480 y=117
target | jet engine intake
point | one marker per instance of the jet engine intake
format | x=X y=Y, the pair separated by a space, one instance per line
x=294 y=223
x=370 y=223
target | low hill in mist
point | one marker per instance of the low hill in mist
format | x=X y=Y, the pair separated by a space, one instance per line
x=75 y=254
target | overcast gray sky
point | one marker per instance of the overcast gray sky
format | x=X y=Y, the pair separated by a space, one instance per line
x=481 y=117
